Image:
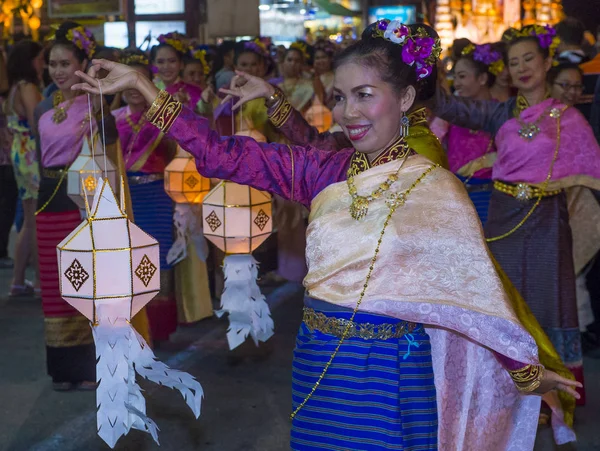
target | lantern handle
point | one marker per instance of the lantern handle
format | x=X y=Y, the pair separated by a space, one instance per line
x=91 y=141
x=103 y=131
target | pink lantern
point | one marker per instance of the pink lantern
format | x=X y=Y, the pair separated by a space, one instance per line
x=319 y=116
x=238 y=219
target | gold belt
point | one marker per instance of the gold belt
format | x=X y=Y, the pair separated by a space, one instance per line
x=523 y=191
x=336 y=326
x=146 y=178
x=53 y=173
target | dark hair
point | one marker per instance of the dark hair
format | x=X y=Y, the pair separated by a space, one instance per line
x=154 y=51
x=386 y=57
x=570 y=31
x=222 y=50
x=513 y=37
x=555 y=71
x=127 y=54
x=62 y=41
x=308 y=57
x=241 y=48
x=480 y=68
x=20 y=63
x=458 y=45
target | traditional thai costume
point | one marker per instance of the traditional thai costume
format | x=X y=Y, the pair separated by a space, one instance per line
x=69 y=345
x=542 y=151
x=420 y=364
x=471 y=154
x=190 y=95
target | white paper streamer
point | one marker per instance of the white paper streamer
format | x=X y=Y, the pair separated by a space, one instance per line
x=120 y=352
x=187 y=219
x=248 y=310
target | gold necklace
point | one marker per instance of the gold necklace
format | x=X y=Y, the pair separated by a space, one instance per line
x=394 y=202
x=136 y=126
x=360 y=204
x=60 y=112
x=528 y=130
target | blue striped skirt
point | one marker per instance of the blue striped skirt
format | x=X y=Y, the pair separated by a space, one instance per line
x=377 y=394
x=153 y=213
x=480 y=192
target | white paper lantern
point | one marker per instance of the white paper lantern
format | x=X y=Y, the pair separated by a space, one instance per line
x=109 y=269
x=320 y=117
x=247 y=129
x=85 y=172
x=237 y=218
x=124 y=259
x=183 y=183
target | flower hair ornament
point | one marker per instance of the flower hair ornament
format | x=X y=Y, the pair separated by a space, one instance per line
x=418 y=49
x=199 y=53
x=485 y=54
x=175 y=40
x=546 y=36
x=302 y=48
x=80 y=37
x=257 y=47
x=135 y=59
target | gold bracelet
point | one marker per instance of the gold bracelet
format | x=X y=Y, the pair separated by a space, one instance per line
x=528 y=378
x=163 y=112
x=281 y=113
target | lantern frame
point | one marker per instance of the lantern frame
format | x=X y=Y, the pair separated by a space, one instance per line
x=212 y=226
x=185 y=169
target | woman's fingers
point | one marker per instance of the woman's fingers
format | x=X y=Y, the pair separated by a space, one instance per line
x=567 y=389
x=85 y=87
x=104 y=64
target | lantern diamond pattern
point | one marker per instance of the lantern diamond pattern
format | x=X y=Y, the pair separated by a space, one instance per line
x=76 y=275
x=236 y=217
x=261 y=220
x=145 y=270
x=213 y=221
x=183 y=183
x=191 y=181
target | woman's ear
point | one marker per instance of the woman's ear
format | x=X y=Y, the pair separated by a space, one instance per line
x=408 y=98
x=482 y=79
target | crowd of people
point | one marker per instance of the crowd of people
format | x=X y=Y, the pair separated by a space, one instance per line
x=444 y=218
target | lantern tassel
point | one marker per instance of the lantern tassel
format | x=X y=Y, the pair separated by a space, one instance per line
x=120 y=352
x=248 y=310
x=188 y=226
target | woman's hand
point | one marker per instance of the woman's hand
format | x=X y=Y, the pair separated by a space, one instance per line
x=246 y=87
x=208 y=94
x=120 y=77
x=552 y=381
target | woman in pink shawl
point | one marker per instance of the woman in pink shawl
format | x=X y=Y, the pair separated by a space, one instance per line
x=543 y=147
x=471 y=153
x=408 y=339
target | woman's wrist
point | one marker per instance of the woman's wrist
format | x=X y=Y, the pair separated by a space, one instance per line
x=146 y=88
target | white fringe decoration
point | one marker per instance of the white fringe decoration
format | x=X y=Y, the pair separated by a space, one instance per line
x=187 y=219
x=248 y=310
x=120 y=352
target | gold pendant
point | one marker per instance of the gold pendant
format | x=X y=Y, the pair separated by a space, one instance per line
x=359 y=207
x=59 y=116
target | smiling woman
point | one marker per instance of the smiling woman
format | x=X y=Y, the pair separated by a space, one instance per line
x=404 y=308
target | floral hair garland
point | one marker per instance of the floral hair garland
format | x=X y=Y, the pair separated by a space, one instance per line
x=302 y=48
x=546 y=36
x=135 y=59
x=199 y=53
x=257 y=47
x=486 y=55
x=418 y=49
x=80 y=37
x=175 y=40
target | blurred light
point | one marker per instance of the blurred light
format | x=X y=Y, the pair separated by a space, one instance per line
x=264 y=7
x=302 y=11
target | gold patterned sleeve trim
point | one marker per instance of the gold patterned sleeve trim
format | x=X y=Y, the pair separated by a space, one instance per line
x=163 y=112
x=282 y=113
x=528 y=378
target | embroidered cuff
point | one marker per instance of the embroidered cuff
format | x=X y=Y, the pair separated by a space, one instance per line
x=281 y=113
x=163 y=112
x=528 y=378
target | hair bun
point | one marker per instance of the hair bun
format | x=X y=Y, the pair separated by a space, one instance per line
x=369 y=32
